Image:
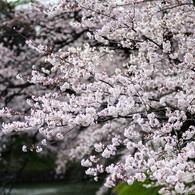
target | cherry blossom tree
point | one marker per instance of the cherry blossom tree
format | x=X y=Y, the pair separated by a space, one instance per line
x=16 y=59
x=117 y=91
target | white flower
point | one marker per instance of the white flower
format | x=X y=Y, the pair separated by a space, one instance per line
x=91 y=171
x=94 y=159
x=106 y=153
x=166 y=46
x=188 y=58
x=86 y=163
x=109 y=183
x=24 y=148
x=44 y=142
x=130 y=180
x=99 y=147
x=140 y=177
x=65 y=86
x=39 y=149
x=179 y=187
x=59 y=136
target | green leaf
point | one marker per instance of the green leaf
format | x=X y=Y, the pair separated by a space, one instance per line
x=136 y=188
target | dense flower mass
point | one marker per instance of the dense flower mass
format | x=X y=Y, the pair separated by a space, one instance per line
x=119 y=93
